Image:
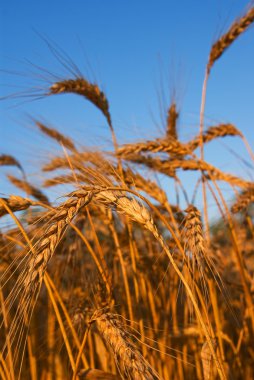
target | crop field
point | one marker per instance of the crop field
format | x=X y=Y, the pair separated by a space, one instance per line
x=115 y=279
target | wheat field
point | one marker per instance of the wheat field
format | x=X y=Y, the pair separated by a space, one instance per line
x=112 y=280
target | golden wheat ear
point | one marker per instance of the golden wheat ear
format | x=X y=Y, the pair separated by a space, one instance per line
x=15 y=203
x=80 y=86
x=172 y=117
x=243 y=200
x=237 y=28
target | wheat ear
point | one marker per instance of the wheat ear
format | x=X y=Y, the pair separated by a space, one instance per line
x=56 y=135
x=128 y=358
x=243 y=200
x=29 y=189
x=15 y=203
x=237 y=28
x=172 y=117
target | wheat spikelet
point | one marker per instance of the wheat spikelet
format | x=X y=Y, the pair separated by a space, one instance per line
x=171 y=121
x=90 y=91
x=56 y=135
x=15 y=203
x=127 y=357
x=29 y=189
x=237 y=28
x=212 y=133
x=243 y=200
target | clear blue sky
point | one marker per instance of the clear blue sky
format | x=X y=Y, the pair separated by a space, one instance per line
x=130 y=48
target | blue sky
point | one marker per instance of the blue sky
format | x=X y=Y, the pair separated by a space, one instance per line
x=135 y=50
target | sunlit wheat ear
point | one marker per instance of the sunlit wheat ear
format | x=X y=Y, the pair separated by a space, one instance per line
x=123 y=204
x=57 y=136
x=193 y=232
x=215 y=132
x=237 y=28
x=243 y=200
x=63 y=216
x=172 y=117
x=130 y=362
x=90 y=91
x=29 y=189
x=168 y=145
x=30 y=279
x=194 y=240
x=15 y=203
